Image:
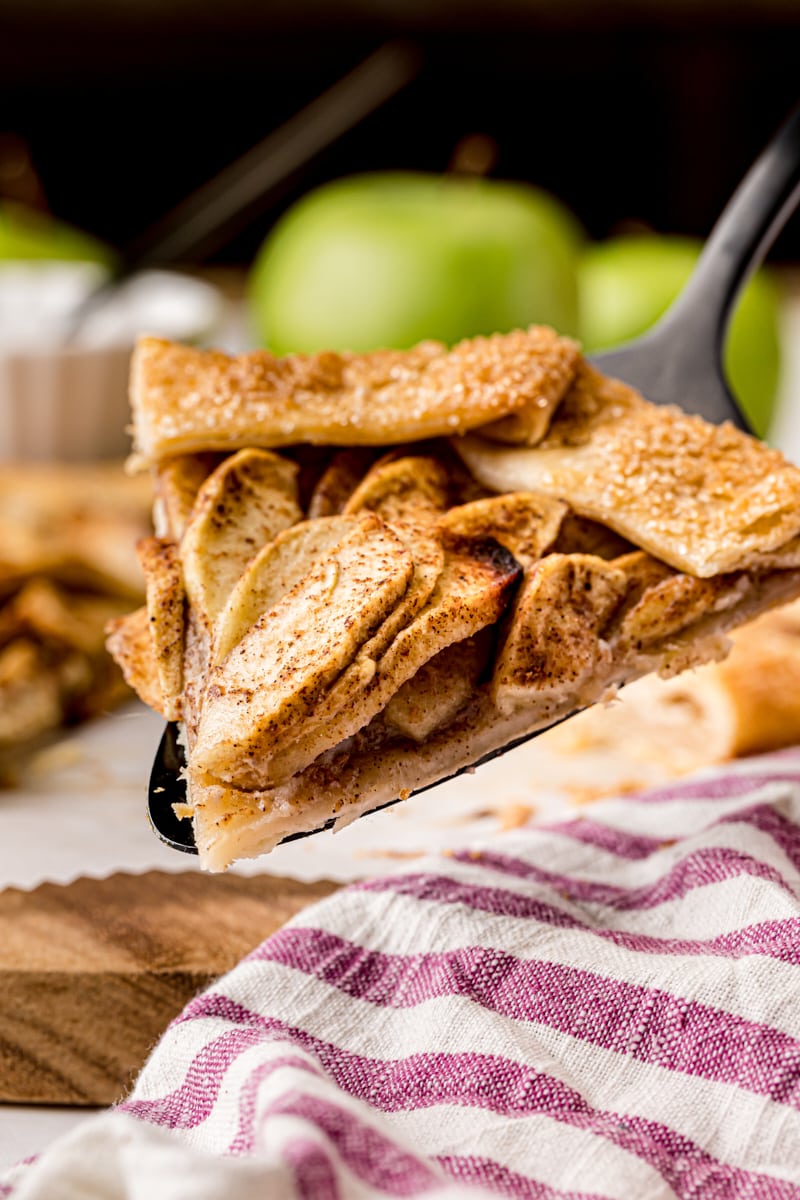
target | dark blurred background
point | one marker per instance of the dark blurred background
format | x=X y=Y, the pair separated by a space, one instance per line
x=630 y=112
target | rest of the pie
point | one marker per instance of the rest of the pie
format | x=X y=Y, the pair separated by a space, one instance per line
x=67 y=566
x=372 y=571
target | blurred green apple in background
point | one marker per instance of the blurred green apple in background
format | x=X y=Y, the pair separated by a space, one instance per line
x=26 y=234
x=627 y=283
x=391 y=259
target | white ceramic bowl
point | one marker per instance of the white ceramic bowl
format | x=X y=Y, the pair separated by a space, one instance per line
x=68 y=400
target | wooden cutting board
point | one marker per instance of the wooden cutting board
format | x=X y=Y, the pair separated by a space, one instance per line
x=92 y=973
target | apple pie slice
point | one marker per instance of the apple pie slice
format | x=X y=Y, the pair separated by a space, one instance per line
x=339 y=628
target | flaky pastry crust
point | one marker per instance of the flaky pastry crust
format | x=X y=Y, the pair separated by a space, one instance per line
x=705 y=498
x=188 y=400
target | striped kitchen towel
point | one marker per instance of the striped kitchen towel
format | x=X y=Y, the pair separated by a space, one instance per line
x=604 y=1007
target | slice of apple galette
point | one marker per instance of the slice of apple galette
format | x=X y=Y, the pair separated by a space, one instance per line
x=452 y=550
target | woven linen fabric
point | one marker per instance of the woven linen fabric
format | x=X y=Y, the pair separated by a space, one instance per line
x=604 y=1007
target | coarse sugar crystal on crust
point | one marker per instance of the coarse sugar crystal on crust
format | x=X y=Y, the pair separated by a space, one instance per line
x=187 y=400
x=705 y=498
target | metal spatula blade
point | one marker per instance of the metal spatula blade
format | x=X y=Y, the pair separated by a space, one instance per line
x=168 y=787
x=679 y=362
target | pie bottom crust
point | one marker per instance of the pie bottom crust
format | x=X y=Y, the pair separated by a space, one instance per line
x=375 y=768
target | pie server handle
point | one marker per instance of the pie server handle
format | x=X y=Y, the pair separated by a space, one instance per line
x=679 y=361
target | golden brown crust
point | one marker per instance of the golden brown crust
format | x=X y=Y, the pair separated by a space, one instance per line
x=530 y=424
x=705 y=498
x=166 y=603
x=188 y=400
x=129 y=642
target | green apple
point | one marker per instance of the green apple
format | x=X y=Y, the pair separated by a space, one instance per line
x=627 y=283
x=391 y=259
x=25 y=234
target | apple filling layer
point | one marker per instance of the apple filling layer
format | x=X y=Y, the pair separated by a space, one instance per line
x=338 y=627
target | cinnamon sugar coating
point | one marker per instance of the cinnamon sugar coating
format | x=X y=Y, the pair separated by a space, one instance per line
x=187 y=400
x=705 y=498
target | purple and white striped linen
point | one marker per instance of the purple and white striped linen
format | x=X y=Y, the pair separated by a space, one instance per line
x=607 y=1006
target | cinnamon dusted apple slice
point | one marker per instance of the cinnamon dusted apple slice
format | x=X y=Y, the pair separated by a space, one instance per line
x=409 y=494
x=704 y=498
x=525 y=523
x=377 y=764
x=440 y=688
x=276 y=674
x=412 y=488
x=472 y=592
x=673 y=621
x=186 y=400
x=249 y=499
x=338 y=482
x=554 y=647
x=274 y=572
x=176 y=484
x=671 y=601
x=582 y=624
x=412 y=492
